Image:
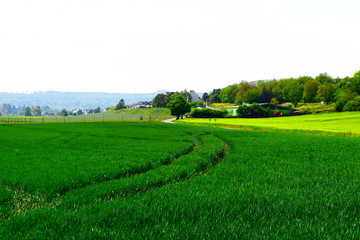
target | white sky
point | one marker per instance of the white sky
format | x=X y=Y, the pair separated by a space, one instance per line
x=149 y=45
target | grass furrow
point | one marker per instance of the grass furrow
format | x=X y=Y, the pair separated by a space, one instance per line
x=209 y=152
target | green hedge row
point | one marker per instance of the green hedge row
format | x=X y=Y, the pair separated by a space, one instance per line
x=208 y=113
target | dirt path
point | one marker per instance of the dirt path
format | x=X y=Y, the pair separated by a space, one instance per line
x=169 y=120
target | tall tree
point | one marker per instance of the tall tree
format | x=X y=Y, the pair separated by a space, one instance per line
x=63 y=112
x=214 y=96
x=27 y=112
x=36 y=111
x=310 y=90
x=243 y=87
x=252 y=95
x=205 y=97
x=228 y=94
x=120 y=105
x=326 y=92
x=160 y=101
x=293 y=91
x=179 y=106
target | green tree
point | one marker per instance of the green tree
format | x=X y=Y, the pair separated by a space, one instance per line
x=228 y=94
x=214 y=96
x=97 y=110
x=311 y=88
x=252 y=95
x=160 y=101
x=120 y=105
x=27 y=111
x=205 y=97
x=324 y=78
x=63 y=112
x=179 y=106
x=253 y=110
x=352 y=105
x=326 y=92
x=36 y=111
x=186 y=95
x=243 y=87
x=197 y=104
x=293 y=91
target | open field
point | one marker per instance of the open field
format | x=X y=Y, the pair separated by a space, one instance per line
x=172 y=181
x=347 y=123
x=99 y=117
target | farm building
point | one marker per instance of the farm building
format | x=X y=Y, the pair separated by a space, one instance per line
x=141 y=105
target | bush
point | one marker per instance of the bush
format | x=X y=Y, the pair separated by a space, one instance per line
x=208 y=113
x=253 y=110
x=353 y=105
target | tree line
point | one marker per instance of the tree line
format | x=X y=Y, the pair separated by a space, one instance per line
x=322 y=88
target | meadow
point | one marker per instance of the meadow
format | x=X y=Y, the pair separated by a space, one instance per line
x=345 y=123
x=175 y=181
x=116 y=116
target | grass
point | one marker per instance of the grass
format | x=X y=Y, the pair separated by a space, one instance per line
x=145 y=111
x=316 y=108
x=347 y=123
x=220 y=184
x=127 y=115
x=54 y=158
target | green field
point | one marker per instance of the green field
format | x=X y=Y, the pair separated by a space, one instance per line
x=342 y=123
x=121 y=116
x=176 y=181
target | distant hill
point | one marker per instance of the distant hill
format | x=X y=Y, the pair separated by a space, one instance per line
x=71 y=100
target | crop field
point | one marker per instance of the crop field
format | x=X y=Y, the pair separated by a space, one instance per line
x=347 y=123
x=117 y=180
x=98 y=117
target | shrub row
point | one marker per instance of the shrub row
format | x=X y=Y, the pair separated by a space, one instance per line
x=208 y=113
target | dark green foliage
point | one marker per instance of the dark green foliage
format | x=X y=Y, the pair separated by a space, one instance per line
x=63 y=112
x=326 y=92
x=352 y=105
x=27 y=112
x=208 y=113
x=214 y=96
x=160 y=101
x=205 y=97
x=293 y=91
x=252 y=110
x=311 y=88
x=228 y=94
x=196 y=104
x=5 y=195
x=179 y=106
x=342 y=98
x=120 y=105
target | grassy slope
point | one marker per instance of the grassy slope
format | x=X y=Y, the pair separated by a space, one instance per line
x=271 y=185
x=145 y=111
x=347 y=122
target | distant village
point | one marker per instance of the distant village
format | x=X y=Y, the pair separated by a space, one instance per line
x=8 y=109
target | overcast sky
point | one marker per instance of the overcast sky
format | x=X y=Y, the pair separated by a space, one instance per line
x=150 y=45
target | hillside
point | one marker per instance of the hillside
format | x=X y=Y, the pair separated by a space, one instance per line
x=70 y=100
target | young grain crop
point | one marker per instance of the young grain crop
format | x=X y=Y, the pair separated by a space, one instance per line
x=271 y=185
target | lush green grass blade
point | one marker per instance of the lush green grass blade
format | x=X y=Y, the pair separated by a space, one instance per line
x=346 y=123
x=271 y=185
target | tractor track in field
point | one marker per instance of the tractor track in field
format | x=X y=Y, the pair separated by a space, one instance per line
x=135 y=189
x=24 y=201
